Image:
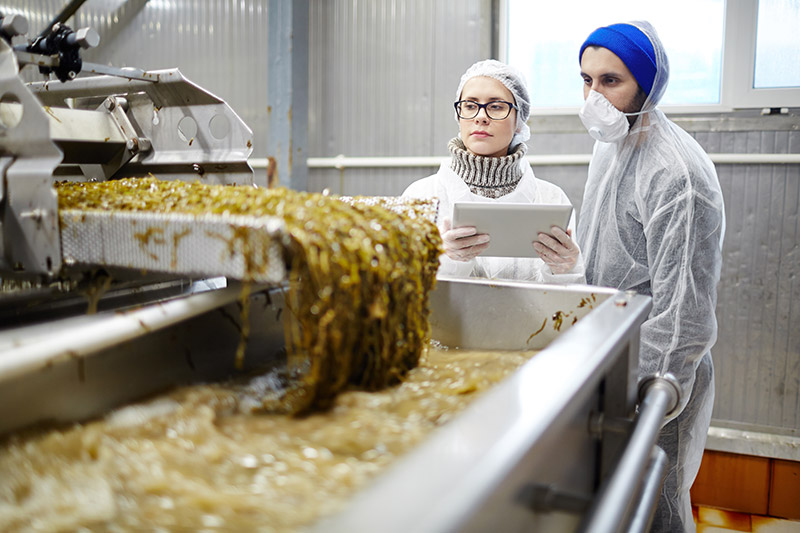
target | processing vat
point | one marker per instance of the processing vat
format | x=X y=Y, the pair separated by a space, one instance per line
x=535 y=451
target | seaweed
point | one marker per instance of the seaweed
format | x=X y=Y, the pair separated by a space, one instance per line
x=360 y=275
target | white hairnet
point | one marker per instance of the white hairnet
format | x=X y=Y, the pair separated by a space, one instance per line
x=652 y=221
x=514 y=81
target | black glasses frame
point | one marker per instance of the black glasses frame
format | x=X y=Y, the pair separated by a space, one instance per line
x=484 y=107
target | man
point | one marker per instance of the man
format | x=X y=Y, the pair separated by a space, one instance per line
x=652 y=221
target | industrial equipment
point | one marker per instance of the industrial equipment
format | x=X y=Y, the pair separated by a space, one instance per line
x=557 y=447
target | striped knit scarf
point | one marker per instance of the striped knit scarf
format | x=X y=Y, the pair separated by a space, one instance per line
x=491 y=177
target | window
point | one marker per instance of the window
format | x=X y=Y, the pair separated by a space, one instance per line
x=777 y=45
x=723 y=55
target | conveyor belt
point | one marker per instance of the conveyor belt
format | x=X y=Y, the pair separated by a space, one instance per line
x=238 y=247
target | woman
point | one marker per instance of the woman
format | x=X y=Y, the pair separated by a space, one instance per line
x=488 y=165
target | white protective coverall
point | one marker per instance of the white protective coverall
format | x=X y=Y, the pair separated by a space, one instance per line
x=449 y=188
x=652 y=220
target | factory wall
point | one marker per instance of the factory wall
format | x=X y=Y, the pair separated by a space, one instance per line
x=382 y=79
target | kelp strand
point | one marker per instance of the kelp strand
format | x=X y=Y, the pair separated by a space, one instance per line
x=359 y=277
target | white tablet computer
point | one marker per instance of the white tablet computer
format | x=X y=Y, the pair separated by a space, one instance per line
x=511 y=227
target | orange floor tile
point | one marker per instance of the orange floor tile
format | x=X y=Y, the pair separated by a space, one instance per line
x=710 y=520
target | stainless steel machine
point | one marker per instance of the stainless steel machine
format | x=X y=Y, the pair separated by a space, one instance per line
x=131 y=123
x=559 y=446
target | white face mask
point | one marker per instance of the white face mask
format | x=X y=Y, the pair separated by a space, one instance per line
x=604 y=122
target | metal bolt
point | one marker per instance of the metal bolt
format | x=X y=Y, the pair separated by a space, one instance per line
x=110 y=103
x=85 y=38
x=13 y=25
x=132 y=145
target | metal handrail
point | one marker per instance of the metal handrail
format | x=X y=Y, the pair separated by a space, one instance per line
x=612 y=510
x=654 y=479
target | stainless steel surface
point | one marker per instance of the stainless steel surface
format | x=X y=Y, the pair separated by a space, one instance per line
x=239 y=247
x=185 y=125
x=534 y=318
x=614 y=508
x=13 y=25
x=29 y=225
x=31 y=348
x=651 y=491
x=667 y=382
x=477 y=467
x=78 y=367
x=130 y=73
x=27 y=58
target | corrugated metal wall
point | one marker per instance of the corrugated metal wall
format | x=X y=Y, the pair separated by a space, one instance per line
x=382 y=79
x=221 y=45
x=757 y=356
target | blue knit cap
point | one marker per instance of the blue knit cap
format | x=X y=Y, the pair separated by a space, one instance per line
x=631 y=46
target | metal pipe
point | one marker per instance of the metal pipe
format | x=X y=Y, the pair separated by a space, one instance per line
x=341 y=162
x=612 y=508
x=138 y=81
x=654 y=479
x=755 y=159
x=80 y=336
x=27 y=58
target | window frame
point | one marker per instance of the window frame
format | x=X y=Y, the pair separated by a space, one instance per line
x=737 y=72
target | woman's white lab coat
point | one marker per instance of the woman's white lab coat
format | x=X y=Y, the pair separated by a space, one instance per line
x=449 y=188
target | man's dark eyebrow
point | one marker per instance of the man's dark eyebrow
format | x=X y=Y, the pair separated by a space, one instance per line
x=610 y=73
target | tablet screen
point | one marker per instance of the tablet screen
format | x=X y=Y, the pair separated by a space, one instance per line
x=511 y=227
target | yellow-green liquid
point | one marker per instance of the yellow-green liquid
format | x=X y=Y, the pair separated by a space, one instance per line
x=198 y=459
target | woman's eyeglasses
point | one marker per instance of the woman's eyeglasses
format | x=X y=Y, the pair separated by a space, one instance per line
x=496 y=110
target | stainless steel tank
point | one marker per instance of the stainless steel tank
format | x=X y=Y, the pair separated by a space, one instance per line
x=539 y=451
